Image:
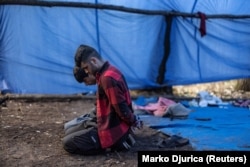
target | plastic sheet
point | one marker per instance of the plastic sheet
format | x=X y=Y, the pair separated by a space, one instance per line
x=37 y=44
x=209 y=128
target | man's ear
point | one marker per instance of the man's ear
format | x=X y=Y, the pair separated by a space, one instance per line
x=93 y=60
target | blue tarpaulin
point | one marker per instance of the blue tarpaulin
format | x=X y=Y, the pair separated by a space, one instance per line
x=209 y=128
x=38 y=43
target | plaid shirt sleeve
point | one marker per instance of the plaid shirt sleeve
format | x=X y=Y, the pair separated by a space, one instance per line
x=118 y=95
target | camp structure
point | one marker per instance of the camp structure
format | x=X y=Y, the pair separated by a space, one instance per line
x=155 y=43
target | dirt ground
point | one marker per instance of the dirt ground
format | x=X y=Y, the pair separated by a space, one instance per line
x=31 y=134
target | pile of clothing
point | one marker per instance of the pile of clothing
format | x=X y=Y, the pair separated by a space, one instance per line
x=161 y=107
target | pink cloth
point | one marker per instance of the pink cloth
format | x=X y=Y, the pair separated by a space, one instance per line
x=159 y=108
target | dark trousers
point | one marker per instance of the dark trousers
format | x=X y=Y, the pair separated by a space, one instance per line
x=85 y=142
x=83 y=138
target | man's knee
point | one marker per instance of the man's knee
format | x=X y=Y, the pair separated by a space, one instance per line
x=68 y=145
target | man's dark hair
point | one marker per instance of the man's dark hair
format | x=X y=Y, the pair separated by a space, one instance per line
x=83 y=53
x=79 y=74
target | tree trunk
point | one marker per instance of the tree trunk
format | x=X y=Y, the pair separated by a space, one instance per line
x=243 y=84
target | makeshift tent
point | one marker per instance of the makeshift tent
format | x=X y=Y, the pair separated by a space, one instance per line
x=154 y=43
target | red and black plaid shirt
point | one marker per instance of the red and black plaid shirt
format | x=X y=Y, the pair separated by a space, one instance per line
x=114 y=106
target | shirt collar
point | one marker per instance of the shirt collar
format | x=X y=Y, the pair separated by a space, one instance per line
x=103 y=68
